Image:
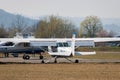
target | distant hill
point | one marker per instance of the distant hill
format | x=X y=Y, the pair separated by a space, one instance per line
x=7 y=18
x=109 y=24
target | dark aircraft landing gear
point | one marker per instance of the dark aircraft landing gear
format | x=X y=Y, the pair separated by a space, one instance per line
x=55 y=60
x=26 y=57
x=76 y=61
x=41 y=56
x=42 y=61
x=6 y=54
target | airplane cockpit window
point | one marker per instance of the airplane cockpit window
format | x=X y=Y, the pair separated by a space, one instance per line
x=60 y=45
x=23 y=44
x=26 y=44
x=63 y=44
x=26 y=35
x=8 y=44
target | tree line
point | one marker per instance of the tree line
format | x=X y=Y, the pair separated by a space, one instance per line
x=56 y=27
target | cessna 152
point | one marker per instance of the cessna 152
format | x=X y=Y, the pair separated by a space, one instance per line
x=56 y=47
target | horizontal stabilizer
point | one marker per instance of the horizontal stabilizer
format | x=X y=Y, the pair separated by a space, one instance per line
x=85 y=53
x=64 y=54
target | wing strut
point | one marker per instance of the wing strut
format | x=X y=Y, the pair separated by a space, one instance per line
x=73 y=44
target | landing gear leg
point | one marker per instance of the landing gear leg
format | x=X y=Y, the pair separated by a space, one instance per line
x=33 y=54
x=6 y=54
x=55 y=60
x=41 y=57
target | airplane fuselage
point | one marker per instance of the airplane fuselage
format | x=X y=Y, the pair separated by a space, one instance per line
x=12 y=49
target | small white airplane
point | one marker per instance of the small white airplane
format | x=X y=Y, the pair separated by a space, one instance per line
x=56 y=47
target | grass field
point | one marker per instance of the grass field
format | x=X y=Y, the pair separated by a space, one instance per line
x=70 y=71
x=59 y=71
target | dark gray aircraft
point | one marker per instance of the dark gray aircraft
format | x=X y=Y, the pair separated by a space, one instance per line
x=19 y=47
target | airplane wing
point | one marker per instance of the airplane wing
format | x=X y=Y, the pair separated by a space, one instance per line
x=52 y=41
x=100 y=39
x=43 y=43
x=106 y=39
x=84 y=43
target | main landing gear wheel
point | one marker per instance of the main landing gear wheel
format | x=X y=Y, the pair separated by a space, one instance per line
x=76 y=61
x=55 y=60
x=42 y=61
x=26 y=57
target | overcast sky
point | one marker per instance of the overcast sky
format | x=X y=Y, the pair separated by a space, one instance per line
x=72 y=8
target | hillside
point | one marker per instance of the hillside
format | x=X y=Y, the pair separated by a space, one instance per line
x=7 y=19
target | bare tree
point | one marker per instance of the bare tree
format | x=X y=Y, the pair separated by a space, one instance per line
x=90 y=26
x=18 y=25
x=111 y=34
x=54 y=26
x=42 y=29
x=3 y=31
x=102 y=33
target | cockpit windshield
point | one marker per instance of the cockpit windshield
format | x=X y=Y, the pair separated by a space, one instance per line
x=62 y=44
x=8 y=44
